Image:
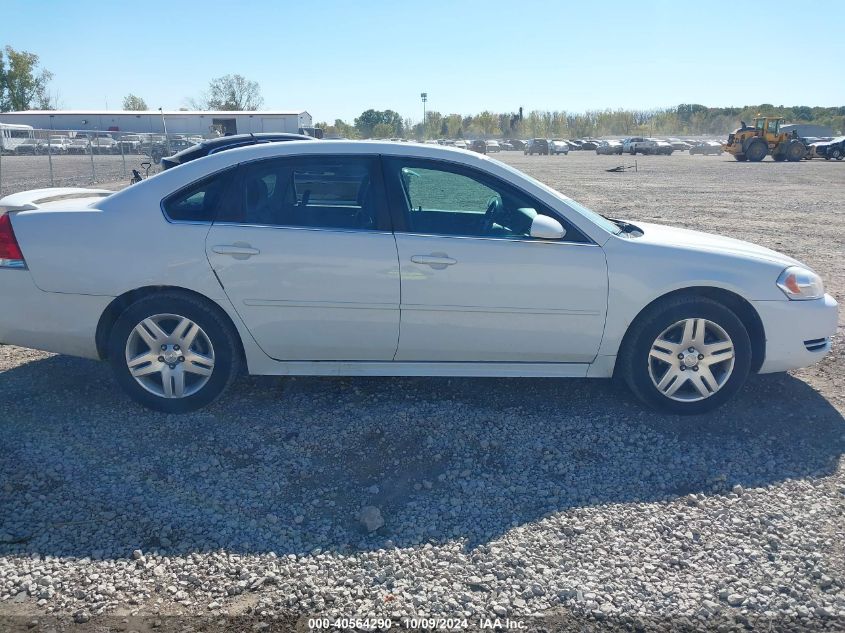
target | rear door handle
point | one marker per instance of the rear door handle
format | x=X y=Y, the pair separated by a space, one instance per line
x=435 y=260
x=238 y=251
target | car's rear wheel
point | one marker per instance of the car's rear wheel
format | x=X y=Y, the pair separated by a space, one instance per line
x=686 y=355
x=173 y=353
x=837 y=154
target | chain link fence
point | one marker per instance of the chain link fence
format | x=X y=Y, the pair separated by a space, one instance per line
x=33 y=158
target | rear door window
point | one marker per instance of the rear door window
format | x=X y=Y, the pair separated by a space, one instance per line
x=328 y=192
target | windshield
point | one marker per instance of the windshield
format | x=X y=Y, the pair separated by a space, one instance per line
x=592 y=216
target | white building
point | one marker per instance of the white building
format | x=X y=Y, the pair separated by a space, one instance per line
x=196 y=122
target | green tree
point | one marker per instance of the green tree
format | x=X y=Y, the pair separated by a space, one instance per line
x=230 y=92
x=383 y=130
x=134 y=102
x=454 y=124
x=433 y=124
x=369 y=119
x=487 y=123
x=23 y=85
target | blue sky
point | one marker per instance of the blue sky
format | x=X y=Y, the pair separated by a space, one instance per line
x=336 y=58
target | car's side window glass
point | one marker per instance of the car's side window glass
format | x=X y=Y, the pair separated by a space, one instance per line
x=445 y=199
x=333 y=192
x=435 y=190
x=200 y=201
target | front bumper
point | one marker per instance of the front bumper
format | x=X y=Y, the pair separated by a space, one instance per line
x=798 y=333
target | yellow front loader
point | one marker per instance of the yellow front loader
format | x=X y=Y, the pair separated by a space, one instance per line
x=755 y=143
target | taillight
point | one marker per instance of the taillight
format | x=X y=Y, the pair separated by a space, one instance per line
x=10 y=251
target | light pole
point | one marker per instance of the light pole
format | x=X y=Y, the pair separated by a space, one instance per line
x=164 y=125
x=424 y=97
x=50 y=150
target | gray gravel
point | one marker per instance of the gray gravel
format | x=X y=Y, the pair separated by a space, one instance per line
x=422 y=496
x=19 y=173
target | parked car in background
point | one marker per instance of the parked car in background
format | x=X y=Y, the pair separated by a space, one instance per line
x=558 y=146
x=460 y=144
x=833 y=149
x=609 y=147
x=29 y=146
x=575 y=145
x=517 y=144
x=79 y=145
x=662 y=148
x=589 y=145
x=678 y=145
x=478 y=145
x=506 y=146
x=56 y=145
x=104 y=144
x=638 y=145
x=213 y=146
x=130 y=143
x=226 y=265
x=493 y=147
x=537 y=146
x=706 y=147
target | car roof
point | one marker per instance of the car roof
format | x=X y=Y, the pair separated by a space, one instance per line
x=222 y=143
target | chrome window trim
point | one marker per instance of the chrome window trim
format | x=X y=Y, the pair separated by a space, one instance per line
x=302 y=228
x=525 y=239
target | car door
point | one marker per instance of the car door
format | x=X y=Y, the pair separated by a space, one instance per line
x=306 y=255
x=475 y=285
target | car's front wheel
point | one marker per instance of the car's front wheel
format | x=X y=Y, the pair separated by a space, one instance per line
x=173 y=352
x=686 y=355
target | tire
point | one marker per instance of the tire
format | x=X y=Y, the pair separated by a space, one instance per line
x=756 y=151
x=740 y=157
x=795 y=151
x=206 y=372
x=666 y=319
x=836 y=153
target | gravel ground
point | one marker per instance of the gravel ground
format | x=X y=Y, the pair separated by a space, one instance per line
x=449 y=497
x=19 y=173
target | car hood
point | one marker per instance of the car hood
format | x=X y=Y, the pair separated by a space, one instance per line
x=686 y=239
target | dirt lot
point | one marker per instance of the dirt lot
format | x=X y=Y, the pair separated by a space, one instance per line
x=516 y=497
x=19 y=173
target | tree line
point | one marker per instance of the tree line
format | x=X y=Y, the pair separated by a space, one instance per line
x=24 y=86
x=684 y=119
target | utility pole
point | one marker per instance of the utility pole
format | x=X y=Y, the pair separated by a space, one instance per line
x=424 y=97
x=164 y=125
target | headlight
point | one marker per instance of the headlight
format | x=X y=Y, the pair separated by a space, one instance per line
x=800 y=284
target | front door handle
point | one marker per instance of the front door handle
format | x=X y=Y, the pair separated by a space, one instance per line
x=238 y=250
x=435 y=260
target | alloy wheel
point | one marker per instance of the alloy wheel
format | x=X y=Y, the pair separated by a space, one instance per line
x=691 y=360
x=169 y=356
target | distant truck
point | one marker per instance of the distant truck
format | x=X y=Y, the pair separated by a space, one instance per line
x=639 y=145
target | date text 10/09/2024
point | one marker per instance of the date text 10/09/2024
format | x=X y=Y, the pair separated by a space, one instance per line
x=416 y=623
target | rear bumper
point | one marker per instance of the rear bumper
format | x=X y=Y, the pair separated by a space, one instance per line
x=50 y=321
x=798 y=333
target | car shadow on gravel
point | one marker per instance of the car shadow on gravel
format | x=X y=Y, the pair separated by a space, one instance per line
x=285 y=465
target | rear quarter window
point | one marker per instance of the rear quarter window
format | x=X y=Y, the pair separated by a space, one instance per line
x=199 y=201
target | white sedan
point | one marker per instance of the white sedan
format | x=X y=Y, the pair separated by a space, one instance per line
x=387 y=259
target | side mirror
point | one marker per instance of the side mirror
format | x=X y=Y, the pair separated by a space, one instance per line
x=547 y=228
